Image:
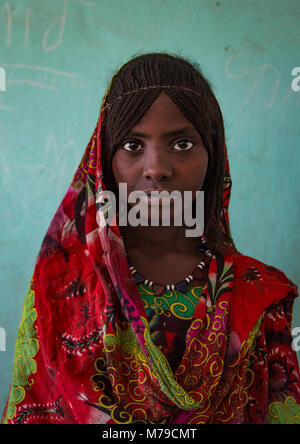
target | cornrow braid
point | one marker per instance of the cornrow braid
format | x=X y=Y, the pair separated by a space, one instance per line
x=132 y=91
x=144 y=88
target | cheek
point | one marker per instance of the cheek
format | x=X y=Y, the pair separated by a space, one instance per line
x=118 y=169
x=204 y=164
x=115 y=171
x=198 y=170
x=125 y=169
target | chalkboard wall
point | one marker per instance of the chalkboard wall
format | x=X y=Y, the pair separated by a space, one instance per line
x=56 y=59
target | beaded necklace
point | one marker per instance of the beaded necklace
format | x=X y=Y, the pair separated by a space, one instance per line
x=182 y=286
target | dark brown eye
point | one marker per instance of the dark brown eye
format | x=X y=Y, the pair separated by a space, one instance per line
x=184 y=145
x=131 y=146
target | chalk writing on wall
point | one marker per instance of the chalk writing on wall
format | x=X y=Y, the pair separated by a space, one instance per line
x=56 y=28
x=51 y=37
x=256 y=73
x=46 y=77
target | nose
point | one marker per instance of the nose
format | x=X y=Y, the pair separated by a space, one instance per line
x=157 y=166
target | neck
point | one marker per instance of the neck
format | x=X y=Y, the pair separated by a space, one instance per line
x=158 y=241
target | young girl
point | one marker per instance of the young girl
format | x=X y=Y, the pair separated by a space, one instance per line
x=140 y=323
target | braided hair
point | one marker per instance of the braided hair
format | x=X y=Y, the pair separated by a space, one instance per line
x=132 y=91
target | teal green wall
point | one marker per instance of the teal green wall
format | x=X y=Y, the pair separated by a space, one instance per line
x=59 y=56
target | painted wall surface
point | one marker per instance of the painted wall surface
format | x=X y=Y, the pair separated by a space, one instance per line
x=58 y=57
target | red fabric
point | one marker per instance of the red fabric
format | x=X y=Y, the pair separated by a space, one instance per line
x=84 y=352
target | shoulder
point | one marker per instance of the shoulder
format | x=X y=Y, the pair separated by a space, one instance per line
x=249 y=270
x=256 y=288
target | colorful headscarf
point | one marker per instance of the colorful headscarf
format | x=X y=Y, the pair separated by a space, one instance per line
x=84 y=352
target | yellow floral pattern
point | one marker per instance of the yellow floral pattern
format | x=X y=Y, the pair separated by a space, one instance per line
x=26 y=348
x=287 y=412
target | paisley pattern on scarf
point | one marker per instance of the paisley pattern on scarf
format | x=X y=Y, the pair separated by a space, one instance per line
x=26 y=348
x=93 y=348
x=180 y=305
x=287 y=412
x=169 y=316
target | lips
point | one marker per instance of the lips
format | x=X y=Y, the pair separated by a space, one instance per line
x=161 y=190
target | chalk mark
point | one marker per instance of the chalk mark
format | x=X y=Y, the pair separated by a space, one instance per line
x=260 y=71
x=40 y=68
x=45 y=83
x=37 y=84
x=83 y=3
x=6 y=108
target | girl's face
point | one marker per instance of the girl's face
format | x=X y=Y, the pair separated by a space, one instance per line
x=163 y=151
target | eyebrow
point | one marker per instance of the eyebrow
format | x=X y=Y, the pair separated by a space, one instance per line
x=167 y=134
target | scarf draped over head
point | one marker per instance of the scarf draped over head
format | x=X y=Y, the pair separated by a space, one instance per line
x=84 y=352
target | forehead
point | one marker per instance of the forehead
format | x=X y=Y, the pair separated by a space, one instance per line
x=162 y=112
